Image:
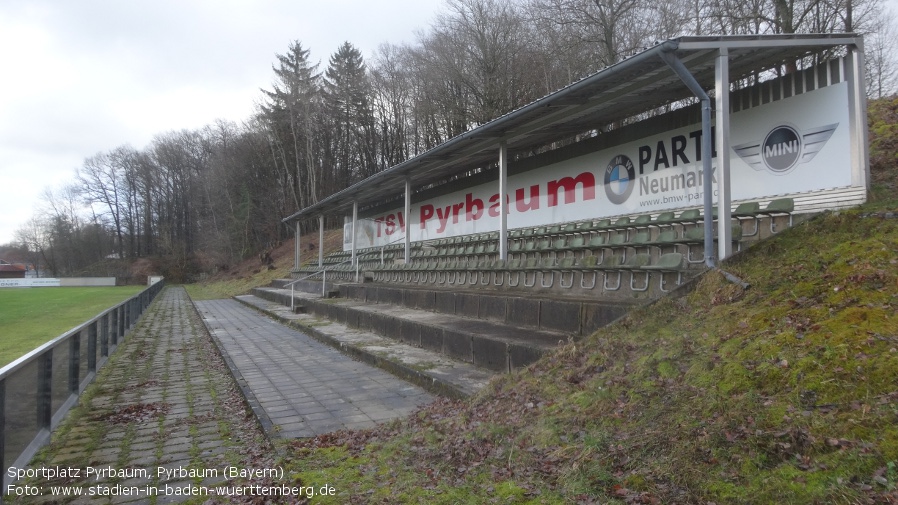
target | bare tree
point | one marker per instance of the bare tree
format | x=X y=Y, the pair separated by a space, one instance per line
x=882 y=57
x=108 y=180
x=391 y=104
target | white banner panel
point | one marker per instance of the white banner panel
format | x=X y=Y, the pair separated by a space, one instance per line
x=30 y=282
x=794 y=145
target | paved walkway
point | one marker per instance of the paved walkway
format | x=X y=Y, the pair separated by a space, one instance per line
x=164 y=419
x=165 y=399
x=299 y=387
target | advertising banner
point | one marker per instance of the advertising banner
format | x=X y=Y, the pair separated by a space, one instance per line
x=793 y=145
x=30 y=282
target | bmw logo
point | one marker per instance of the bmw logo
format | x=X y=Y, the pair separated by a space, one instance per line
x=620 y=179
x=781 y=148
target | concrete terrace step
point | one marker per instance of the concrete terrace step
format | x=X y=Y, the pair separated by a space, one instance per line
x=489 y=344
x=429 y=369
x=569 y=315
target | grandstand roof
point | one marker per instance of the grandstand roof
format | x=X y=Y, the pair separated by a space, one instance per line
x=633 y=86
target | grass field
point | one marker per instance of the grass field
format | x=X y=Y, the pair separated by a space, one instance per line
x=30 y=317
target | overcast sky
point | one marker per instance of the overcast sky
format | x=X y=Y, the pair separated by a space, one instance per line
x=82 y=77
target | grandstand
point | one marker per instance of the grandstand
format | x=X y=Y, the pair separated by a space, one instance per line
x=557 y=218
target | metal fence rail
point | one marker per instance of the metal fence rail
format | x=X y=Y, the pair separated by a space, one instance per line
x=38 y=389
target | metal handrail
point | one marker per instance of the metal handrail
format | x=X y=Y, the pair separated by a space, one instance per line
x=323 y=273
x=383 y=247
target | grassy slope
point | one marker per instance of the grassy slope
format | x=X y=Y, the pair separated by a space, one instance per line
x=32 y=316
x=786 y=392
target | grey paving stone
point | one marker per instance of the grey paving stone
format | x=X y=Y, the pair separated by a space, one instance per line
x=283 y=367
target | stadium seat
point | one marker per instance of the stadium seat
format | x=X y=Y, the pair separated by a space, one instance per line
x=642 y=239
x=665 y=238
x=641 y=221
x=670 y=262
x=779 y=207
x=747 y=211
x=563 y=266
x=664 y=219
x=577 y=244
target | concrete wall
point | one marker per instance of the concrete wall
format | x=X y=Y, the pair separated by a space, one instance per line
x=87 y=281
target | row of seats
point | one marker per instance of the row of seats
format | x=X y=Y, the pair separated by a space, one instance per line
x=527 y=272
x=578 y=245
x=743 y=212
x=551 y=237
x=578 y=241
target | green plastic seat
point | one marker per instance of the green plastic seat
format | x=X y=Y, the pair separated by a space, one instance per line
x=747 y=209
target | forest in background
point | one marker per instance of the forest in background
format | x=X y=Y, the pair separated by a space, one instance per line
x=199 y=200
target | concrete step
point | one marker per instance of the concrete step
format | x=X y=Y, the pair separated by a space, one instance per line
x=492 y=345
x=429 y=369
x=569 y=315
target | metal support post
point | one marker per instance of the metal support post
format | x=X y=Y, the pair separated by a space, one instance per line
x=857 y=117
x=407 y=220
x=503 y=201
x=722 y=90
x=296 y=247
x=355 y=219
x=320 y=241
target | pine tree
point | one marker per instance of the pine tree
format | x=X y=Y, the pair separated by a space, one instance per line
x=348 y=90
x=290 y=114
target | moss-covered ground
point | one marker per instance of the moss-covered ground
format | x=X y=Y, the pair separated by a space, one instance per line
x=785 y=392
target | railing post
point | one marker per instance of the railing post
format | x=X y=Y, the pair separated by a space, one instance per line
x=44 y=389
x=92 y=344
x=105 y=332
x=120 y=331
x=111 y=325
x=74 y=361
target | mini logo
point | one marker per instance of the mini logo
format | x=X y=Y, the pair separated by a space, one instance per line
x=620 y=179
x=785 y=147
x=781 y=148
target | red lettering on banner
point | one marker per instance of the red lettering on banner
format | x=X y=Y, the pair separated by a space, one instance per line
x=391 y=226
x=443 y=216
x=533 y=204
x=569 y=184
x=473 y=208
x=494 y=205
x=378 y=222
x=427 y=212
x=456 y=211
